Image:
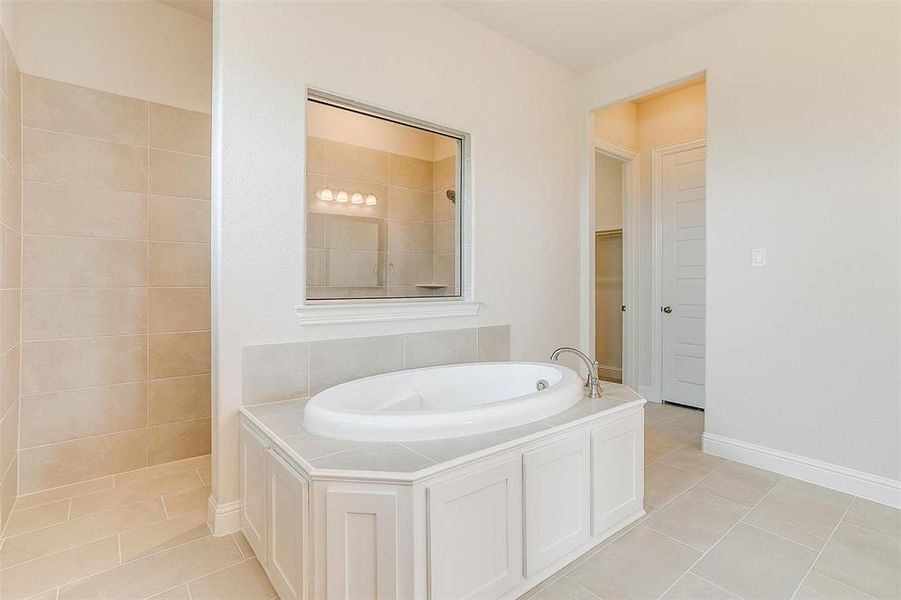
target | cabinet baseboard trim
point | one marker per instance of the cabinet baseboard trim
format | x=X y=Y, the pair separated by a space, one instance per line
x=223 y=518
x=872 y=487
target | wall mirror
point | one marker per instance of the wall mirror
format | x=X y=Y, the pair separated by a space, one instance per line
x=383 y=204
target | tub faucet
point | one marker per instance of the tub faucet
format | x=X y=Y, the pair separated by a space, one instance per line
x=592 y=384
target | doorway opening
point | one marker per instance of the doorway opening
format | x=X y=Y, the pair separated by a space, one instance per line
x=648 y=244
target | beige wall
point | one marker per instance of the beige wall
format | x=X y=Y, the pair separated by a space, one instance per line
x=618 y=124
x=116 y=271
x=608 y=192
x=10 y=274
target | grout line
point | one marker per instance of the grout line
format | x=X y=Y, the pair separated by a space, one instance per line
x=719 y=587
x=867 y=529
x=820 y=552
x=148 y=145
x=773 y=533
x=431 y=460
x=579 y=585
x=119 y=546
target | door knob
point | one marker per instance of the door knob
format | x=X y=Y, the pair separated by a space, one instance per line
x=666 y=309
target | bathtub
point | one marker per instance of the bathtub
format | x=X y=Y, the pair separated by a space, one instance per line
x=441 y=402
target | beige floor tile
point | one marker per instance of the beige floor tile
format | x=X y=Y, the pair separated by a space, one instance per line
x=66 y=491
x=876 y=517
x=129 y=494
x=52 y=571
x=62 y=536
x=740 y=483
x=817 y=587
x=244 y=581
x=206 y=474
x=662 y=441
x=243 y=544
x=22 y=521
x=665 y=411
x=158 y=572
x=755 y=564
x=48 y=595
x=176 y=593
x=653 y=421
x=864 y=560
x=564 y=588
x=691 y=459
x=662 y=483
x=693 y=420
x=155 y=472
x=641 y=564
x=692 y=587
x=187 y=501
x=147 y=540
x=697 y=518
x=800 y=511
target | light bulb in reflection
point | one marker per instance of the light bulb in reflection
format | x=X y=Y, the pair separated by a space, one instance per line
x=357 y=198
x=371 y=200
x=341 y=196
x=325 y=195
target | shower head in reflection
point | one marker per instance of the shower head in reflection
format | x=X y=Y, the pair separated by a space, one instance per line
x=451 y=195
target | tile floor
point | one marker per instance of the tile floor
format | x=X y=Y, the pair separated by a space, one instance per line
x=141 y=534
x=717 y=529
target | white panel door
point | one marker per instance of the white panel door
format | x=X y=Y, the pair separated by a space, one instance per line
x=475 y=533
x=683 y=195
x=556 y=500
x=361 y=557
x=617 y=472
x=288 y=529
x=253 y=467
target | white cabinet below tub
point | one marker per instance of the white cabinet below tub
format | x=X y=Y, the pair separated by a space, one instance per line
x=617 y=471
x=275 y=514
x=556 y=499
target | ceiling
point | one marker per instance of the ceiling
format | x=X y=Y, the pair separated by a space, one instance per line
x=198 y=8
x=581 y=35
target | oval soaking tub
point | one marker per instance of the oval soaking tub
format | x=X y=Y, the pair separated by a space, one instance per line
x=441 y=402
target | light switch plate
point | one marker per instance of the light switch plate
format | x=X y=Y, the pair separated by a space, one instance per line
x=758 y=257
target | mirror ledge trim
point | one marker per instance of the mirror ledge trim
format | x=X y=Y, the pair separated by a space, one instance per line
x=376 y=312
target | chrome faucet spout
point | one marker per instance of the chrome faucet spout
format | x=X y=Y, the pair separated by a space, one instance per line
x=592 y=383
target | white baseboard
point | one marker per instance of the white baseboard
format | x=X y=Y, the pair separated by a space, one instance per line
x=872 y=487
x=223 y=518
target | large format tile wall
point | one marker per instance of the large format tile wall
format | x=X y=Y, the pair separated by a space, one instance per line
x=10 y=274
x=406 y=240
x=276 y=372
x=116 y=282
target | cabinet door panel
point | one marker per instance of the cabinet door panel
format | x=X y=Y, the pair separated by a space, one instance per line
x=288 y=509
x=475 y=533
x=253 y=466
x=617 y=465
x=557 y=496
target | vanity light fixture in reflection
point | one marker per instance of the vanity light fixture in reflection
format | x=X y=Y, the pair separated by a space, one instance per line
x=327 y=195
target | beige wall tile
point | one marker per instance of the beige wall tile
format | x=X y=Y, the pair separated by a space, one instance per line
x=22 y=521
x=10 y=371
x=348 y=232
x=11 y=261
x=130 y=493
x=494 y=343
x=189 y=466
x=179 y=264
x=446 y=269
x=408 y=236
x=62 y=416
x=11 y=140
x=179 y=309
x=177 y=354
x=244 y=580
x=76 y=532
x=336 y=361
x=158 y=572
x=410 y=205
x=315 y=229
x=172 y=532
x=52 y=209
x=315 y=155
x=83 y=262
x=9 y=436
x=356 y=162
x=53 y=365
x=442 y=208
x=63 y=492
x=81 y=312
x=445 y=237
x=58 y=158
x=188 y=501
x=175 y=219
x=178 y=399
x=445 y=173
x=409 y=269
x=178 y=129
x=52 y=571
x=439 y=348
x=411 y=172
x=61 y=107
x=275 y=372
x=10 y=196
x=10 y=303
x=9 y=489
x=69 y=462
x=175 y=441
x=350 y=268
x=176 y=174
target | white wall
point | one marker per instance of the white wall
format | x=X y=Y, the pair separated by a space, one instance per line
x=523 y=178
x=136 y=48
x=803 y=158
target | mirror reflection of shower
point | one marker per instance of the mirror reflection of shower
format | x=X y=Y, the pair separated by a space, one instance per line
x=452 y=196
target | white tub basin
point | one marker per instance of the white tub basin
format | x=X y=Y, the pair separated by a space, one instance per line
x=441 y=402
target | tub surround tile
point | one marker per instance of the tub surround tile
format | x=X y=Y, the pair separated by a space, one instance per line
x=390 y=457
x=494 y=343
x=284 y=419
x=336 y=361
x=276 y=372
x=451 y=448
x=440 y=348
